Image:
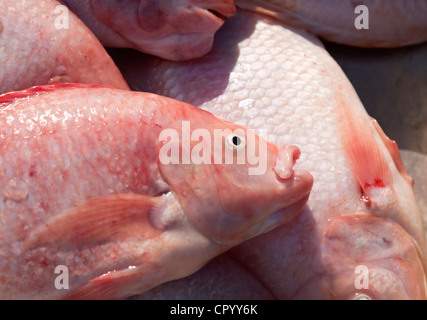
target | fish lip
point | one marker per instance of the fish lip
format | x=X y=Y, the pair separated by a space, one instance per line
x=217 y=14
x=289 y=212
x=213 y=20
x=295 y=193
x=220 y=15
x=222 y=10
x=287 y=156
x=300 y=184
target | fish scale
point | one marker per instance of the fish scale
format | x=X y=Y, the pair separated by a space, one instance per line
x=33 y=51
x=123 y=220
x=304 y=91
x=315 y=105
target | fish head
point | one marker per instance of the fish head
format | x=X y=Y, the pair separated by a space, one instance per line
x=232 y=184
x=372 y=258
x=171 y=29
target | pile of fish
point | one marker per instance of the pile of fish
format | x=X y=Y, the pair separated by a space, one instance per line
x=221 y=152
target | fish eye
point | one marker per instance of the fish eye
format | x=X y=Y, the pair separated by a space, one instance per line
x=235 y=141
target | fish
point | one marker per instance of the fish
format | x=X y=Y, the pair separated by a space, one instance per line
x=365 y=23
x=361 y=234
x=175 y=29
x=100 y=201
x=43 y=42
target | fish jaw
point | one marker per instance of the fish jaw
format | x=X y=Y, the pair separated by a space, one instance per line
x=174 y=30
x=227 y=203
x=351 y=253
x=188 y=30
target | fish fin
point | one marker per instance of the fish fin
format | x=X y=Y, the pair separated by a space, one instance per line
x=9 y=97
x=111 y=285
x=393 y=149
x=283 y=13
x=368 y=163
x=99 y=219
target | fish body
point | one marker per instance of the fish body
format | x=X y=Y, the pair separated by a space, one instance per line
x=43 y=42
x=383 y=24
x=87 y=193
x=362 y=215
x=175 y=30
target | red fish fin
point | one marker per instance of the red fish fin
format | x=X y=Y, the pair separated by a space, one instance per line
x=111 y=285
x=368 y=163
x=392 y=147
x=9 y=97
x=99 y=219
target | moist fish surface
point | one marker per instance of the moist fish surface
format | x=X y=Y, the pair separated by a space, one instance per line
x=173 y=29
x=96 y=190
x=362 y=218
x=43 y=42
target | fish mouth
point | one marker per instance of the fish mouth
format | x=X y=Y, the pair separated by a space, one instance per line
x=286 y=159
x=221 y=11
x=218 y=15
x=284 y=215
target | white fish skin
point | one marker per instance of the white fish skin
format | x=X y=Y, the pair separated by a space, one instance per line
x=264 y=75
x=364 y=23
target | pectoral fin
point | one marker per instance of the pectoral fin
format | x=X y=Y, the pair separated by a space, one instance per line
x=368 y=162
x=99 y=219
x=111 y=285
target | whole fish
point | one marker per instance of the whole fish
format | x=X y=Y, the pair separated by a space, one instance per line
x=363 y=23
x=99 y=200
x=361 y=235
x=173 y=29
x=43 y=42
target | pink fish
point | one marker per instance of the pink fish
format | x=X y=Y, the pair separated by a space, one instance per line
x=89 y=193
x=361 y=23
x=173 y=29
x=361 y=235
x=43 y=42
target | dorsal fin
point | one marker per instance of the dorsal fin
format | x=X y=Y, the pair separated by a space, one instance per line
x=11 y=96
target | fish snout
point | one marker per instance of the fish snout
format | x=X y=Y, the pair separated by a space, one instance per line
x=286 y=159
x=222 y=9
